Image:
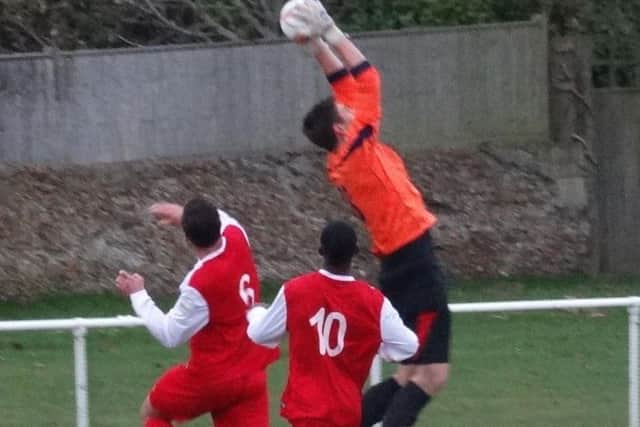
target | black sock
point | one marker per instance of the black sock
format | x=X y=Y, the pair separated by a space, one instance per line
x=376 y=401
x=405 y=407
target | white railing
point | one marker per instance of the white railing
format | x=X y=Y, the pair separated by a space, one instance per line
x=80 y=326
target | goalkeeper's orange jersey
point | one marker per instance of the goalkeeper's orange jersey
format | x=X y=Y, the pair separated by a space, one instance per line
x=370 y=174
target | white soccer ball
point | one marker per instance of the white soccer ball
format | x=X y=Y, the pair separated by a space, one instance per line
x=292 y=26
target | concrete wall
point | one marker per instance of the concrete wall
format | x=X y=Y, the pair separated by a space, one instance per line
x=618 y=151
x=443 y=87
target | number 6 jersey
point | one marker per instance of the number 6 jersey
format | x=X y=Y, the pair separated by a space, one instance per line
x=336 y=325
x=210 y=312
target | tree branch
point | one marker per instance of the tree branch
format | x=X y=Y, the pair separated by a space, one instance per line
x=173 y=25
x=29 y=32
x=245 y=12
x=127 y=41
x=269 y=13
x=585 y=147
x=220 y=29
x=570 y=87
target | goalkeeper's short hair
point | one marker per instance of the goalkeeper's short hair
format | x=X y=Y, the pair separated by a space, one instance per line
x=318 y=124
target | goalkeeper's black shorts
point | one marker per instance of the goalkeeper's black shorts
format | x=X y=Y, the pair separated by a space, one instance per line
x=412 y=280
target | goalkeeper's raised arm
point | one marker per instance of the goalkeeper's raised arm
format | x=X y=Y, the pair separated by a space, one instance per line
x=353 y=114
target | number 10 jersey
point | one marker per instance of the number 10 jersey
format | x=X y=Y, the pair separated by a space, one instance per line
x=334 y=326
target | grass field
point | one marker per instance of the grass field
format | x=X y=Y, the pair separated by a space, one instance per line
x=534 y=369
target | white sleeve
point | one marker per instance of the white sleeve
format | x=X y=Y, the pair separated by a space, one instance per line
x=189 y=314
x=398 y=342
x=268 y=326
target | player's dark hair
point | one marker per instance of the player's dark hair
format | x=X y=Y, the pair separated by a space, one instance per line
x=201 y=222
x=318 y=124
x=338 y=243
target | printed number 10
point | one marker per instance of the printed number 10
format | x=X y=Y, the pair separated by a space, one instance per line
x=324 y=325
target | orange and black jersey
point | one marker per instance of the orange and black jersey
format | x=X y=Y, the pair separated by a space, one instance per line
x=370 y=174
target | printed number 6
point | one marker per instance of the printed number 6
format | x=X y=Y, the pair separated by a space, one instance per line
x=324 y=326
x=247 y=294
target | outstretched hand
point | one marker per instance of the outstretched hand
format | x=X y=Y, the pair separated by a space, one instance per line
x=129 y=283
x=167 y=213
x=302 y=20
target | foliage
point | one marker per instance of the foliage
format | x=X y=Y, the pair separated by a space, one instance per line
x=382 y=14
x=616 y=42
x=37 y=25
x=28 y=25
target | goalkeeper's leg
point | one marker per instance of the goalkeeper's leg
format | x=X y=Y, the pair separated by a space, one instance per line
x=419 y=384
x=376 y=401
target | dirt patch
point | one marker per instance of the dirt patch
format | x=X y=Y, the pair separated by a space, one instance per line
x=72 y=229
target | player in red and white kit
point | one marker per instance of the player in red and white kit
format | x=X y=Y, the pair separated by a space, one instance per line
x=336 y=325
x=225 y=374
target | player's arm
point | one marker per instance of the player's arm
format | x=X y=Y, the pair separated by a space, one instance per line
x=167 y=213
x=343 y=85
x=189 y=314
x=267 y=326
x=398 y=342
x=366 y=103
x=355 y=84
x=356 y=87
x=325 y=57
x=365 y=97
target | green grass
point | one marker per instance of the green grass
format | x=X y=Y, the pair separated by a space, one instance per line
x=516 y=369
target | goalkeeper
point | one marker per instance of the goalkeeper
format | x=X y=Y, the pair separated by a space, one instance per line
x=373 y=178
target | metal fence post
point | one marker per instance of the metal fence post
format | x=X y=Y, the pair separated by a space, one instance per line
x=375 y=374
x=634 y=361
x=81 y=377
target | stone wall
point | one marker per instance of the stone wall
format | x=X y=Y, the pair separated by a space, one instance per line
x=455 y=86
x=72 y=229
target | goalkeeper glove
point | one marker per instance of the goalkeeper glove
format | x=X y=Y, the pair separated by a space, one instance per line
x=319 y=22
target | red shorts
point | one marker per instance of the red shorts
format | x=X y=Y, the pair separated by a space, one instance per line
x=310 y=423
x=182 y=394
